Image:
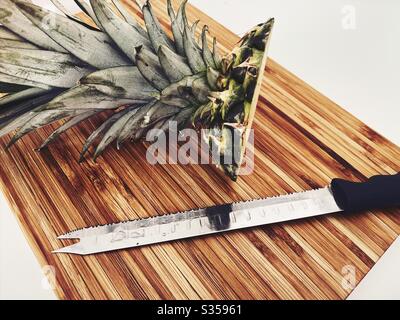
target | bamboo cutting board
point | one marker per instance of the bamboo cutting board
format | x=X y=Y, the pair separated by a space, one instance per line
x=302 y=141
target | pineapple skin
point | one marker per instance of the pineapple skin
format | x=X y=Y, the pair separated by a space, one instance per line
x=57 y=67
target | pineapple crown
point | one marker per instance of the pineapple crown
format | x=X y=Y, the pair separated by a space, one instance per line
x=61 y=67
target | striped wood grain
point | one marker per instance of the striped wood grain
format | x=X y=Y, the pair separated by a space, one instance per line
x=302 y=141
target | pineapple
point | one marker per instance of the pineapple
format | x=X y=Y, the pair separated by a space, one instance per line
x=56 y=67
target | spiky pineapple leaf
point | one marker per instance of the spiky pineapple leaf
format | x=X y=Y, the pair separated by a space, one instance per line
x=156 y=33
x=214 y=79
x=66 y=126
x=201 y=90
x=129 y=18
x=149 y=66
x=6 y=43
x=121 y=82
x=14 y=105
x=58 y=4
x=85 y=97
x=12 y=80
x=41 y=119
x=93 y=47
x=181 y=15
x=9 y=35
x=182 y=89
x=192 y=51
x=11 y=40
x=13 y=19
x=20 y=112
x=207 y=54
x=47 y=67
x=11 y=88
x=87 y=9
x=20 y=96
x=126 y=36
x=113 y=132
x=100 y=131
x=175 y=66
x=216 y=56
x=177 y=26
x=145 y=117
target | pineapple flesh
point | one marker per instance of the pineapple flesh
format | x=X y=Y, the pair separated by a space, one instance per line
x=56 y=67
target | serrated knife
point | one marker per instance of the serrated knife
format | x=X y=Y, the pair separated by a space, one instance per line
x=341 y=195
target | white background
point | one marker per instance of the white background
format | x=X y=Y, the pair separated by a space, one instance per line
x=348 y=50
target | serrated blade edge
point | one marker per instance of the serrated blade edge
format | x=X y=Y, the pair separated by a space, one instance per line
x=139 y=223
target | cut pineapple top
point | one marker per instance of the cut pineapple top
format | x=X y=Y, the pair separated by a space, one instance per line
x=57 y=67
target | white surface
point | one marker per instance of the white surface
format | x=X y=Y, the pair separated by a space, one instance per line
x=382 y=282
x=20 y=274
x=352 y=61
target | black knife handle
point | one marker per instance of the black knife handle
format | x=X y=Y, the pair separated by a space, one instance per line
x=377 y=193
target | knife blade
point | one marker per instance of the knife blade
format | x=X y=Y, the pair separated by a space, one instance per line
x=341 y=195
